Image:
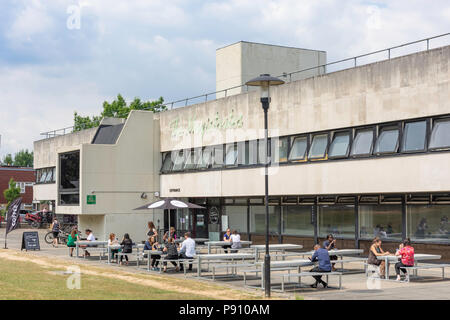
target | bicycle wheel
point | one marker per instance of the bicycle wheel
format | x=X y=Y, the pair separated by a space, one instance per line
x=49 y=237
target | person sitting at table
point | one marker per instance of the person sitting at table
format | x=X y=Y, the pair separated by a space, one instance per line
x=171 y=254
x=235 y=241
x=227 y=238
x=152 y=244
x=127 y=247
x=172 y=234
x=112 y=241
x=330 y=244
x=374 y=251
x=406 y=253
x=90 y=237
x=71 y=239
x=187 y=250
x=152 y=230
x=321 y=255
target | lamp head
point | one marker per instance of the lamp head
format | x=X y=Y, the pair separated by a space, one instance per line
x=264 y=81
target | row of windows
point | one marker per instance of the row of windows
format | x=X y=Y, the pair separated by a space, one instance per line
x=432 y=134
x=46 y=175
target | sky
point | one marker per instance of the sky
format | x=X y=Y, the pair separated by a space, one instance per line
x=61 y=56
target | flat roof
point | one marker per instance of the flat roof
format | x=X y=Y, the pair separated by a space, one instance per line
x=266 y=44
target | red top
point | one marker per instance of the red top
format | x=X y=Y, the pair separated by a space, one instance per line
x=407 y=254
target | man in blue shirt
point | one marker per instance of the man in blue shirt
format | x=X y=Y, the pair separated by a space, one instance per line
x=321 y=255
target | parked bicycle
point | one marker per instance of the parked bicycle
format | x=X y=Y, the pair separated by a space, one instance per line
x=62 y=237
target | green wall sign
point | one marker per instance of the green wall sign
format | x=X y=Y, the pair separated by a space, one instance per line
x=91 y=199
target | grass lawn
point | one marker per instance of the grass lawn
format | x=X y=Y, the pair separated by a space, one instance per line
x=27 y=281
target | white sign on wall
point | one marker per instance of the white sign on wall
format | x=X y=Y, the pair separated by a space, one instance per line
x=224 y=223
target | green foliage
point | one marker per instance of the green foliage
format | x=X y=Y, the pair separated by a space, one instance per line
x=12 y=193
x=117 y=109
x=23 y=158
x=8 y=160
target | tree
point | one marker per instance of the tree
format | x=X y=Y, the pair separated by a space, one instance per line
x=8 y=160
x=23 y=158
x=117 y=109
x=12 y=193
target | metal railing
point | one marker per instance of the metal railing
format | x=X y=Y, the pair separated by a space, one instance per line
x=353 y=60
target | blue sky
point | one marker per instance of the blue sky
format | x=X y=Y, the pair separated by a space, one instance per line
x=152 y=48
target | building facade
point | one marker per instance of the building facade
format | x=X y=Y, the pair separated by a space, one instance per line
x=358 y=153
x=24 y=178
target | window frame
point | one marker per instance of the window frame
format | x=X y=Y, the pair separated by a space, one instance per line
x=325 y=154
x=228 y=146
x=384 y=127
x=433 y=121
x=404 y=136
x=372 y=144
x=305 y=155
x=332 y=136
x=183 y=156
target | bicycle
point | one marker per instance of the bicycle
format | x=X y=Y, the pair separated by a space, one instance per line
x=62 y=237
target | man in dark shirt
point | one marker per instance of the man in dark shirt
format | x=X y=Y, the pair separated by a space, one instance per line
x=321 y=255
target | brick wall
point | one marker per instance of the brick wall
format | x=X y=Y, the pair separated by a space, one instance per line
x=19 y=175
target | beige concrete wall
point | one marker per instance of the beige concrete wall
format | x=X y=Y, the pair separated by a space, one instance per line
x=46 y=191
x=411 y=86
x=242 y=61
x=403 y=174
x=45 y=151
x=94 y=222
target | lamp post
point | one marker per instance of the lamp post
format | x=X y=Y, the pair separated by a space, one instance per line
x=264 y=82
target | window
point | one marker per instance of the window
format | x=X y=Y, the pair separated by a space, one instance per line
x=206 y=156
x=337 y=220
x=258 y=219
x=251 y=152
x=69 y=179
x=362 y=144
x=387 y=141
x=318 y=146
x=237 y=218
x=440 y=136
x=46 y=175
x=22 y=186
x=297 y=220
x=428 y=222
x=414 y=136
x=280 y=147
x=383 y=221
x=218 y=156
x=178 y=160
x=50 y=173
x=231 y=155
x=43 y=175
x=298 y=148
x=167 y=162
x=192 y=159
x=340 y=145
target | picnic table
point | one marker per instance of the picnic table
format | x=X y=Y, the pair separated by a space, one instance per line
x=417 y=257
x=95 y=243
x=276 y=248
x=221 y=257
x=137 y=246
x=223 y=243
x=151 y=253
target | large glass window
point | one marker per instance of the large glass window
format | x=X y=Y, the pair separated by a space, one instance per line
x=440 y=136
x=414 y=136
x=258 y=219
x=318 y=146
x=237 y=218
x=192 y=159
x=167 y=162
x=387 y=141
x=231 y=155
x=251 y=152
x=340 y=145
x=384 y=221
x=362 y=144
x=298 y=148
x=69 y=185
x=217 y=156
x=43 y=176
x=205 y=159
x=280 y=149
x=297 y=221
x=178 y=158
x=337 y=220
x=428 y=222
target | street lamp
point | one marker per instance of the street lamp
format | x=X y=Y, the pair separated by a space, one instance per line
x=264 y=82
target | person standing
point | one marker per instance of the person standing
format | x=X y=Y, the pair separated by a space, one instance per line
x=321 y=255
x=187 y=250
x=406 y=253
x=152 y=232
x=55 y=230
x=330 y=244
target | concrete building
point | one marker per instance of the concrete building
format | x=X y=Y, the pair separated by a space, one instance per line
x=357 y=153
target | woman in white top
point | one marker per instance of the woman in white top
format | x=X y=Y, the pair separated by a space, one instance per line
x=235 y=242
x=112 y=241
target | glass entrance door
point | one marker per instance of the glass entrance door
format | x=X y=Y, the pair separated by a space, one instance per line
x=200 y=219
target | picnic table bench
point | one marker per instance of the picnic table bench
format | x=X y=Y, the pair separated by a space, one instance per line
x=92 y=245
x=418 y=257
x=427 y=266
x=310 y=274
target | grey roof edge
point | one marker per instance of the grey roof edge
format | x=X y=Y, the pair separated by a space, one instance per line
x=266 y=44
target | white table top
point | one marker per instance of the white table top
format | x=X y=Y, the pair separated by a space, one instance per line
x=338 y=252
x=153 y=252
x=291 y=263
x=221 y=243
x=96 y=242
x=287 y=246
x=225 y=256
x=417 y=257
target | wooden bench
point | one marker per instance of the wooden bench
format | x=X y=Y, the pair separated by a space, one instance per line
x=310 y=274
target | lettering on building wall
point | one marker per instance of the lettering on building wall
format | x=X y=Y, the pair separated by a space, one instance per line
x=175 y=190
x=195 y=126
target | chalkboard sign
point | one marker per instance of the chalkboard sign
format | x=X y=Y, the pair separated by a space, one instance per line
x=30 y=241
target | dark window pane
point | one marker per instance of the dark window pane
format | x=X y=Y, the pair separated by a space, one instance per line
x=178 y=160
x=297 y=220
x=167 y=165
x=70 y=171
x=71 y=198
x=192 y=159
x=206 y=158
x=340 y=145
x=384 y=221
x=337 y=220
x=43 y=175
x=318 y=146
x=298 y=148
x=428 y=223
x=414 y=136
x=362 y=144
x=251 y=152
x=49 y=177
x=440 y=137
x=387 y=140
x=280 y=147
